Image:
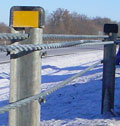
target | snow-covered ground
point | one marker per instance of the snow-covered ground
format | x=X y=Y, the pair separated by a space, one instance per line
x=78 y=103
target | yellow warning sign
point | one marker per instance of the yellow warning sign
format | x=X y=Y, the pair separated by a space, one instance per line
x=26 y=19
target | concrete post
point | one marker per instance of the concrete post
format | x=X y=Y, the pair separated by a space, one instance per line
x=25 y=80
x=108 y=76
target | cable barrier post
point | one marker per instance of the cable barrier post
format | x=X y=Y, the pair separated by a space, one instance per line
x=25 y=68
x=108 y=85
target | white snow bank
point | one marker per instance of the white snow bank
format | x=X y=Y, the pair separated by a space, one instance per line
x=78 y=103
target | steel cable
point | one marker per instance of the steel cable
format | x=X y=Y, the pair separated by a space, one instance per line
x=33 y=47
x=19 y=36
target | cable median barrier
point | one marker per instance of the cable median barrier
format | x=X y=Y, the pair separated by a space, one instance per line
x=45 y=93
x=97 y=43
x=26 y=61
x=10 y=36
x=62 y=36
x=19 y=36
x=34 y=47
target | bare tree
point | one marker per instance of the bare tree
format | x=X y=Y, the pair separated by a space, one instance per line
x=4 y=28
x=62 y=21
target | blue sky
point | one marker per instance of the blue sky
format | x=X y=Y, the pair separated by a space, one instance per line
x=91 y=8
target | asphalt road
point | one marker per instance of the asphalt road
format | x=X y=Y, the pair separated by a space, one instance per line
x=72 y=50
x=60 y=51
x=4 y=57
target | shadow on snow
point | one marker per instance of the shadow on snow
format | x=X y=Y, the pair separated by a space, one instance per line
x=73 y=101
x=4 y=116
x=56 y=78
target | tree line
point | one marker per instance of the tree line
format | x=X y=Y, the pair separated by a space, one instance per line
x=61 y=21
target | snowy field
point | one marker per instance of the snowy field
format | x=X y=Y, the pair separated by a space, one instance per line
x=78 y=103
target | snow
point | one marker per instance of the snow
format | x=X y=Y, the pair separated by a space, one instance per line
x=76 y=104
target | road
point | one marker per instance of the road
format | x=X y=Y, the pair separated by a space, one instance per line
x=72 y=50
x=60 y=51
x=4 y=57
